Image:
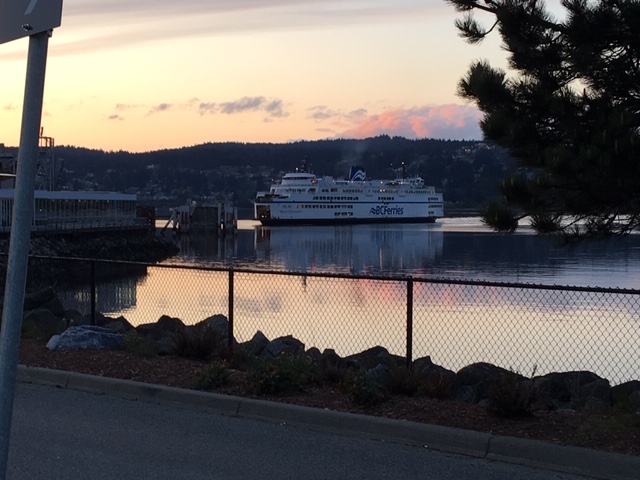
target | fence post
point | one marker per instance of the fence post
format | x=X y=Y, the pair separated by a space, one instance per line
x=409 y=322
x=230 y=341
x=93 y=292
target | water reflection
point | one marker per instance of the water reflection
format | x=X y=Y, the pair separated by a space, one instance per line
x=452 y=248
x=115 y=295
x=360 y=249
x=455 y=324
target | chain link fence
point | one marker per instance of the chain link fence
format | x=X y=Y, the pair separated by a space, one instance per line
x=527 y=328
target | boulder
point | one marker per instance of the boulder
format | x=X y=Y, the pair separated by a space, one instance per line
x=597 y=392
x=165 y=327
x=219 y=324
x=435 y=380
x=380 y=375
x=565 y=389
x=37 y=299
x=86 y=337
x=331 y=360
x=42 y=324
x=283 y=346
x=634 y=399
x=314 y=354
x=481 y=377
x=100 y=319
x=623 y=391
x=55 y=306
x=74 y=318
x=256 y=345
x=375 y=356
x=119 y=325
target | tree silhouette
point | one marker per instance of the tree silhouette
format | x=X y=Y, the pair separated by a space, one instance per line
x=570 y=113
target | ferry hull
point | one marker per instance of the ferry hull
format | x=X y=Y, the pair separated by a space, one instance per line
x=343 y=221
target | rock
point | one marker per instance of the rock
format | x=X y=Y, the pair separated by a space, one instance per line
x=86 y=337
x=220 y=325
x=380 y=375
x=563 y=389
x=330 y=357
x=597 y=392
x=372 y=357
x=634 y=398
x=256 y=345
x=331 y=360
x=314 y=354
x=435 y=381
x=119 y=325
x=169 y=324
x=482 y=377
x=165 y=327
x=37 y=299
x=100 y=320
x=283 y=346
x=624 y=390
x=73 y=318
x=42 y=324
x=464 y=394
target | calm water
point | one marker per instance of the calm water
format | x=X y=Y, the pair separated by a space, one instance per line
x=460 y=248
x=456 y=325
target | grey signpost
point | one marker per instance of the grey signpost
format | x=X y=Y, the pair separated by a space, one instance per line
x=18 y=19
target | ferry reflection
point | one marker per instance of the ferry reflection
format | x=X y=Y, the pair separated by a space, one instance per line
x=355 y=249
x=115 y=295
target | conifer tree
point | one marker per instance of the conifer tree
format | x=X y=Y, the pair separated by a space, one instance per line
x=569 y=111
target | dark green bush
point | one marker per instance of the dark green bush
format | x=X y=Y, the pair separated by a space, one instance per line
x=140 y=345
x=437 y=385
x=285 y=373
x=362 y=390
x=212 y=376
x=511 y=396
x=404 y=381
x=199 y=342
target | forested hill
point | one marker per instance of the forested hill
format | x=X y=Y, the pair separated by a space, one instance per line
x=467 y=172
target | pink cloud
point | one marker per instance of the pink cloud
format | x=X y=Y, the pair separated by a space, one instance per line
x=455 y=122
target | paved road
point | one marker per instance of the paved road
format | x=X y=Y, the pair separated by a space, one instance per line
x=67 y=434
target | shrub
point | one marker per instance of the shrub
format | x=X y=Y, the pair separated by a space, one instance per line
x=511 y=396
x=140 y=345
x=285 y=373
x=438 y=385
x=198 y=342
x=404 y=381
x=362 y=390
x=212 y=376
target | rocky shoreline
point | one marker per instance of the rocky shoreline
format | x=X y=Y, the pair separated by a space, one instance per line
x=480 y=383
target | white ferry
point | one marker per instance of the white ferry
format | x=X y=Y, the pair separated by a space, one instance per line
x=301 y=198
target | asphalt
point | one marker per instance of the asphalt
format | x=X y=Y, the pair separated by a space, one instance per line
x=567 y=459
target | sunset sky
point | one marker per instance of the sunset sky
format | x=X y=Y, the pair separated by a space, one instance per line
x=142 y=75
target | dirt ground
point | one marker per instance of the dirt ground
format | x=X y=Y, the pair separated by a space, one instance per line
x=604 y=428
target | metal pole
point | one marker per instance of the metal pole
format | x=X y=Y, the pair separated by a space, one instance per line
x=20 y=236
x=230 y=340
x=409 y=323
x=93 y=292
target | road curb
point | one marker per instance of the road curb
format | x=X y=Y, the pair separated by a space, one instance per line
x=575 y=460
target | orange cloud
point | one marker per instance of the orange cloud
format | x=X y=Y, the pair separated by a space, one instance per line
x=455 y=122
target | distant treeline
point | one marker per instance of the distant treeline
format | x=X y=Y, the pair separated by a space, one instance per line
x=467 y=172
